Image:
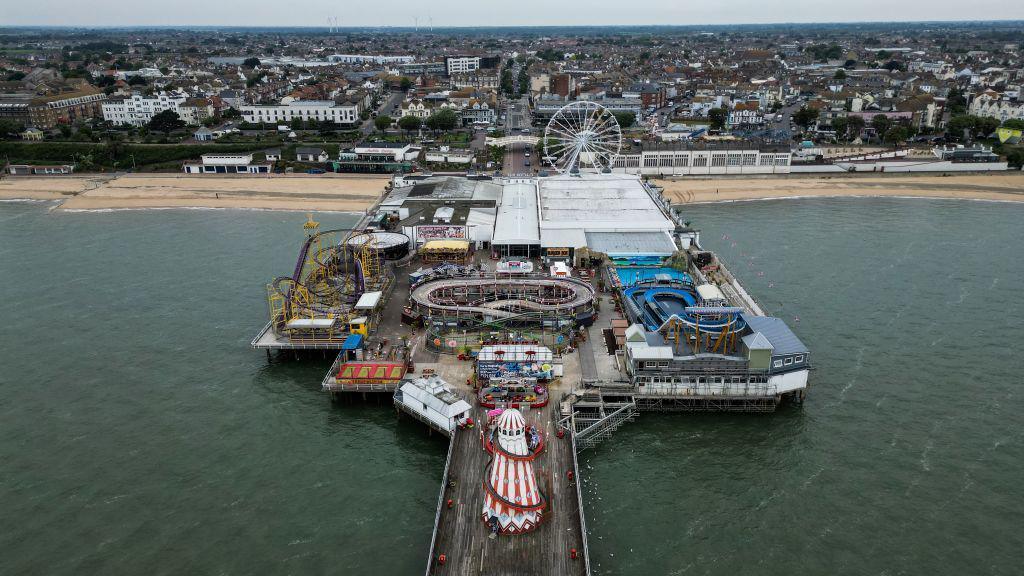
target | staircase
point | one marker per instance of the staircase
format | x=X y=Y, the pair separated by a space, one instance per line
x=596 y=416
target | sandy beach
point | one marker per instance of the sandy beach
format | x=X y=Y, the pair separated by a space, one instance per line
x=339 y=193
x=356 y=193
x=1006 y=186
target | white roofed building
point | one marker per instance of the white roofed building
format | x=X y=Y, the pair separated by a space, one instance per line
x=432 y=401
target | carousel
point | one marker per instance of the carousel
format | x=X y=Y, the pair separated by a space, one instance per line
x=513 y=502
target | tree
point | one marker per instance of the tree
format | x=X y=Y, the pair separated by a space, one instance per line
x=881 y=124
x=840 y=74
x=956 y=102
x=443 y=120
x=983 y=127
x=805 y=116
x=1014 y=124
x=11 y=127
x=718 y=117
x=251 y=62
x=841 y=125
x=625 y=119
x=383 y=122
x=137 y=81
x=296 y=124
x=854 y=126
x=892 y=66
x=897 y=133
x=166 y=121
x=405 y=84
x=409 y=123
x=1015 y=157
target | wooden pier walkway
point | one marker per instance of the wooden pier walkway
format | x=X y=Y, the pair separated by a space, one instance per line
x=462 y=536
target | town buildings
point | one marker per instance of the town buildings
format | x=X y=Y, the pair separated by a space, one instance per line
x=305 y=110
x=138 y=110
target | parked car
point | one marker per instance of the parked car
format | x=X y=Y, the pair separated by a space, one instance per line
x=315 y=171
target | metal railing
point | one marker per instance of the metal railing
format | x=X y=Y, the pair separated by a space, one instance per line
x=579 y=503
x=440 y=503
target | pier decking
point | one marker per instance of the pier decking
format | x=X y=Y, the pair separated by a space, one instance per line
x=462 y=536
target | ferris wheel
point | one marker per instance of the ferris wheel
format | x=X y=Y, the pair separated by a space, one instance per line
x=582 y=135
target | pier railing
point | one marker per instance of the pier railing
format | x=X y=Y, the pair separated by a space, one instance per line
x=602 y=429
x=440 y=505
x=579 y=502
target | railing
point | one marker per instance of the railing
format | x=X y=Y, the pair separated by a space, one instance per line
x=579 y=503
x=440 y=503
x=603 y=428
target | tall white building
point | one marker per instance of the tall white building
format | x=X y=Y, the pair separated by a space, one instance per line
x=319 y=110
x=461 y=65
x=138 y=110
x=994 y=105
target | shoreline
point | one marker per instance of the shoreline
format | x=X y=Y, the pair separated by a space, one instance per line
x=334 y=193
x=356 y=193
x=1004 y=186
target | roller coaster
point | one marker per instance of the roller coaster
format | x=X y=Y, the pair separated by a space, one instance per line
x=513 y=300
x=330 y=275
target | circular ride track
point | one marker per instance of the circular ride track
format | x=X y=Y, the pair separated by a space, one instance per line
x=504 y=299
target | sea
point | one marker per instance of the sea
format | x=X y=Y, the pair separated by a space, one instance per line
x=140 y=433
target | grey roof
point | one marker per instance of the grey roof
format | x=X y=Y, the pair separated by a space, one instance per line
x=778 y=333
x=757 y=341
x=633 y=243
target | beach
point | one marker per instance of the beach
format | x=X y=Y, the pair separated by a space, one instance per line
x=356 y=193
x=326 y=192
x=1003 y=186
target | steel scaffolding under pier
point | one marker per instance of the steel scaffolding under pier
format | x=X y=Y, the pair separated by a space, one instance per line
x=461 y=535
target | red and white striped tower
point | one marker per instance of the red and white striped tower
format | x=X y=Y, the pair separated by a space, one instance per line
x=512 y=500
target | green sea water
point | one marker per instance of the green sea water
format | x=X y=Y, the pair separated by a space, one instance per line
x=139 y=433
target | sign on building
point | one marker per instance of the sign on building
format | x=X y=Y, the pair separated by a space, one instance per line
x=440 y=232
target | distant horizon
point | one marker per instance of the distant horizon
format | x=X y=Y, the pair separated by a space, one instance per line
x=426 y=27
x=410 y=14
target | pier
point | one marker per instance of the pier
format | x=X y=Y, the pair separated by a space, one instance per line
x=461 y=535
x=523 y=370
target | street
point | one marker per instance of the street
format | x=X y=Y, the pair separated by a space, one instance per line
x=387 y=107
x=516 y=158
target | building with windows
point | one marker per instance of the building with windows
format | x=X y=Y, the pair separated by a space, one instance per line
x=546 y=107
x=46 y=112
x=683 y=158
x=306 y=110
x=378 y=158
x=195 y=111
x=461 y=64
x=368 y=59
x=990 y=104
x=227 y=164
x=138 y=110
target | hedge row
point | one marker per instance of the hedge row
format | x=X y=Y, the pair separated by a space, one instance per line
x=105 y=155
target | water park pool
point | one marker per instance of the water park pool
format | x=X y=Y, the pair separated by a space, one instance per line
x=632 y=276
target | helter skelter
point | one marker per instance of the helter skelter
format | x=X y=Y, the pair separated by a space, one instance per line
x=513 y=502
